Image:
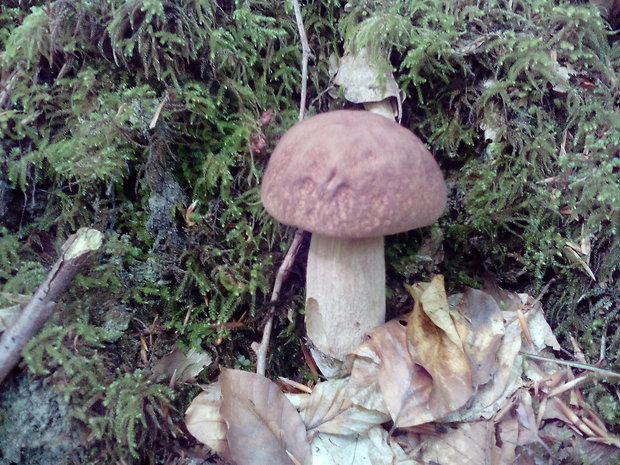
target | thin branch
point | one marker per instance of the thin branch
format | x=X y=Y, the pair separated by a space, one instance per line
x=283 y=273
x=285 y=267
x=305 y=56
x=582 y=366
x=75 y=250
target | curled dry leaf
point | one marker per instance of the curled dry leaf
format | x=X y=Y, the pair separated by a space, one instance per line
x=528 y=426
x=484 y=333
x=357 y=75
x=263 y=426
x=433 y=299
x=540 y=331
x=188 y=213
x=435 y=344
x=478 y=442
x=505 y=381
x=467 y=444
x=374 y=448
x=428 y=370
x=330 y=409
x=385 y=378
x=507 y=371
x=204 y=422
x=506 y=300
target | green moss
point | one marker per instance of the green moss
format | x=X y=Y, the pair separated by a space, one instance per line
x=521 y=102
x=117 y=407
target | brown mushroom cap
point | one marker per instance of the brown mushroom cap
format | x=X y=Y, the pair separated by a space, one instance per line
x=352 y=174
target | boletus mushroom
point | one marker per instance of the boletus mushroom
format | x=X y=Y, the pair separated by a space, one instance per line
x=350 y=178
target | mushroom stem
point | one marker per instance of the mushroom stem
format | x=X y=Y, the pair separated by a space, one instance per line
x=345 y=295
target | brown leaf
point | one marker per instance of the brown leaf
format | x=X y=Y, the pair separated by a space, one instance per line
x=435 y=344
x=468 y=444
x=506 y=437
x=541 y=333
x=183 y=367
x=478 y=442
x=357 y=74
x=188 y=213
x=484 y=335
x=204 y=422
x=528 y=427
x=506 y=300
x=434 y=301
x=505 y=381
x=375 y=447
x=330 y=409
x=263 y=426
x=383 y=361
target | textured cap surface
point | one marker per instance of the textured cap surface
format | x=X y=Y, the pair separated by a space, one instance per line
x=352 y=174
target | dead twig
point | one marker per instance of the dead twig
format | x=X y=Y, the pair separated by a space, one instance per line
x=306 y=54
x=283 y=271
x=75 y=251
x=582 y=366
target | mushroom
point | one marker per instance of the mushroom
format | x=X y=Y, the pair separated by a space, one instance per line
x=350 y=178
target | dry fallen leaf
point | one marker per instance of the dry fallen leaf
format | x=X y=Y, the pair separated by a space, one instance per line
x=188 y=213
x=467 y=444
x=484 y=335
x=475 y=443
x=183 y=367
x=541 y=332
x=385 y=378
x=528 y=427
x=505 y=381
x=358 y=76
x=434 y=301
x=506 y=300
x=263 y=426
x=329 y=409
x=508 y=369
x=374 y=448
x=434 y=343
x=407 y=375
x=204 y=422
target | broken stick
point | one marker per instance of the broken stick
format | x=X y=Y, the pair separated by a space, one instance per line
x=283 y=272
x=76 y=249
x=262 y=348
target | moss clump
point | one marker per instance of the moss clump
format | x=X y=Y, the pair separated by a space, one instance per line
x=122 y=411
x=520 y=101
